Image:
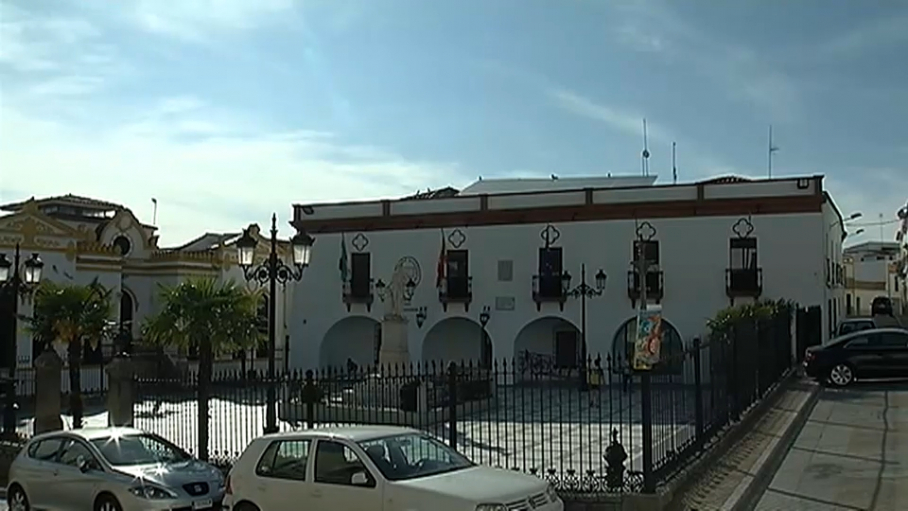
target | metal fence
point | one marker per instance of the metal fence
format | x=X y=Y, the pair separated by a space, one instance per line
x=596 y=428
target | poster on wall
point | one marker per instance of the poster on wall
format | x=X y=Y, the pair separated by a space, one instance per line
x=648 y=342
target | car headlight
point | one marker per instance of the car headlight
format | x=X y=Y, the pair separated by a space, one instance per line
x=491 y=507
x=551 y=494
x=152 y=493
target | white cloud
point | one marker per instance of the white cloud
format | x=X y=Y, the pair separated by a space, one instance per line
x=214 y=181
x=622 y=120
x=652 y=26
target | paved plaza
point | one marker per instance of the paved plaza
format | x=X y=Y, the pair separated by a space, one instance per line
x=851 y=455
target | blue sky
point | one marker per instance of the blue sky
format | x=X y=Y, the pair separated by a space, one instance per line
x=225 y=110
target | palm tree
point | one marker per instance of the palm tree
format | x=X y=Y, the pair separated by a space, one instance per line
x=211 y=316
x=73 y=315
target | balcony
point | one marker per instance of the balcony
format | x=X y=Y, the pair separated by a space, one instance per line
x=548 y=288
x=654 y=286
x=362 y=293
x=741 y=282
x=456 y=290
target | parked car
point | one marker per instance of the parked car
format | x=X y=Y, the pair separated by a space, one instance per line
x=881 y=305
x=847 y=326
x=374 y=468
x=865 y=354
x=110 y=469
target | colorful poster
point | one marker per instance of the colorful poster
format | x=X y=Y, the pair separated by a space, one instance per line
x=648 y=343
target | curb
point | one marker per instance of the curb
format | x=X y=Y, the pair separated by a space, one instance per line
x=745 y=496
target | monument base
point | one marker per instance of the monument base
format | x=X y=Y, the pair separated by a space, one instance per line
x=395 y=347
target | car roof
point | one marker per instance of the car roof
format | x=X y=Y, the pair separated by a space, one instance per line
x=91 y=433
x=862 y=333
x=352 y=433
x=857 y=320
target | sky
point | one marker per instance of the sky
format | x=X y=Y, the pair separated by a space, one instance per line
x=228 y=110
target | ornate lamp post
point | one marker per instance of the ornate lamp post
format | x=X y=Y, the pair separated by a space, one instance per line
x=484 y=318
x=273 y=271
x=583 y=291
x=17 y=280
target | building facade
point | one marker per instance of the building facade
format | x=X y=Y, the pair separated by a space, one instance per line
x=81 y=239
x=504 y=248
x=873 y=269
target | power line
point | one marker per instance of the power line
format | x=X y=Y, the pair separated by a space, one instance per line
x=874 y=224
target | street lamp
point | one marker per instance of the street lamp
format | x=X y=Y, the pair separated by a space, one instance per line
x=18 y=281
x=583 y=291
x=486 y=355
x=270 y=272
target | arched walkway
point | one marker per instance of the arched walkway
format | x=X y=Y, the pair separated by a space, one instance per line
x=457 y=339
x=626 y=337
x=548 y=343
x=354 y=337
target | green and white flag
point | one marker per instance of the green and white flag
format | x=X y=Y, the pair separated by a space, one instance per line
x=342 y=263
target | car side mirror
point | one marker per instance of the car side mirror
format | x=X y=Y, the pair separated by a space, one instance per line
x=360 y=479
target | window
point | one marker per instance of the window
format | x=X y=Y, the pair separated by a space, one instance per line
x=45 y=450
x=122 y=244
x=857 y=305
x=858 y=342
x=144 y=449
x=505 y=270
x=550 y=268
x=360 y=274
x=742 y=253
x=848 y=307
x=457 y=274
x=75 y=452
x=335 y=463
x=413 y=455
x=855 y=326
x=893 y=340
x=285 y=460
x=650 y=250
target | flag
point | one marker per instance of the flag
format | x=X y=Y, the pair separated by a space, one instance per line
x=440 y=269
x=342 y=262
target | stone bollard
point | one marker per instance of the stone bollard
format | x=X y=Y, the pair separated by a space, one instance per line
x=120 y=391
x=48 y=376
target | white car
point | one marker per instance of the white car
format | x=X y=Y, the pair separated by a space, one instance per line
x=374 y=468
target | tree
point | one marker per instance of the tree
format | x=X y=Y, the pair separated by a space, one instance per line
x=73 y=315
x=214 y=317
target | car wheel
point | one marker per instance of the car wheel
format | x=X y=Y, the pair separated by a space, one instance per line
x=246 y=506
x=841 y=375
x=17 y=500
x=107 y=503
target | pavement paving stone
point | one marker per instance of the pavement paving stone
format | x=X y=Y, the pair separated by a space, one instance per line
x=825 y=477
x=774 y=501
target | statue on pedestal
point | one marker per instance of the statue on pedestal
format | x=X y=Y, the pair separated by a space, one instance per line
x=396 y=290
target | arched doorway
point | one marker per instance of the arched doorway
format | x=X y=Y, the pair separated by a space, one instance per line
x=548 y=344
x=459 y=340
x=626 y=336
x=357 y=338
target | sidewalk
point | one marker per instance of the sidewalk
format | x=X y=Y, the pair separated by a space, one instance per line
x=852 y=454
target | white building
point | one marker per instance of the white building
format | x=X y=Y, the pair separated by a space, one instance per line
x=872 y=270
x=713 y=243
x=81 y=239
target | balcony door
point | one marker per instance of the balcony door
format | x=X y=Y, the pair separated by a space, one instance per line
x=550 y=268
x=458 y=262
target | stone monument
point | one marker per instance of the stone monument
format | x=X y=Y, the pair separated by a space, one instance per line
x=395 y=348
x=48 y=368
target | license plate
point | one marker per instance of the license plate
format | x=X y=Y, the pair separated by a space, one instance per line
x=202 y=504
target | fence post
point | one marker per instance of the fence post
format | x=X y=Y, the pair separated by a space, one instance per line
x=310 y=396
x=48 y=367
x=698 y=389
x=452 y=405
x=733 y=376
x=120 y=391
x=646 y=416
x=204 y=393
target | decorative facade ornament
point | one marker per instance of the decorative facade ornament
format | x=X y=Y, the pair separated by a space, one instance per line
x=550 y=235
x=743 y=228
x=457 y=238
x=360 y=242
x=645 y=231
x=410 y=266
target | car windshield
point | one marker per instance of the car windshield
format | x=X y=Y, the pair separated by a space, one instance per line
x=854 y=326
x=414 y=455
x=129 y=450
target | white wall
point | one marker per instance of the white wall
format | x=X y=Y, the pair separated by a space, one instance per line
x=694 y=256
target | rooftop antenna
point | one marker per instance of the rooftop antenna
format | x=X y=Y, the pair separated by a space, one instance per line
x=772 y=149
x=674 y=166
x=154 y=214
x=645 y=160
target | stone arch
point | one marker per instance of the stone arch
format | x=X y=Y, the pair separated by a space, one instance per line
x=625 y=337
x=548 y=343
x=357 y=338
x=458 y=339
